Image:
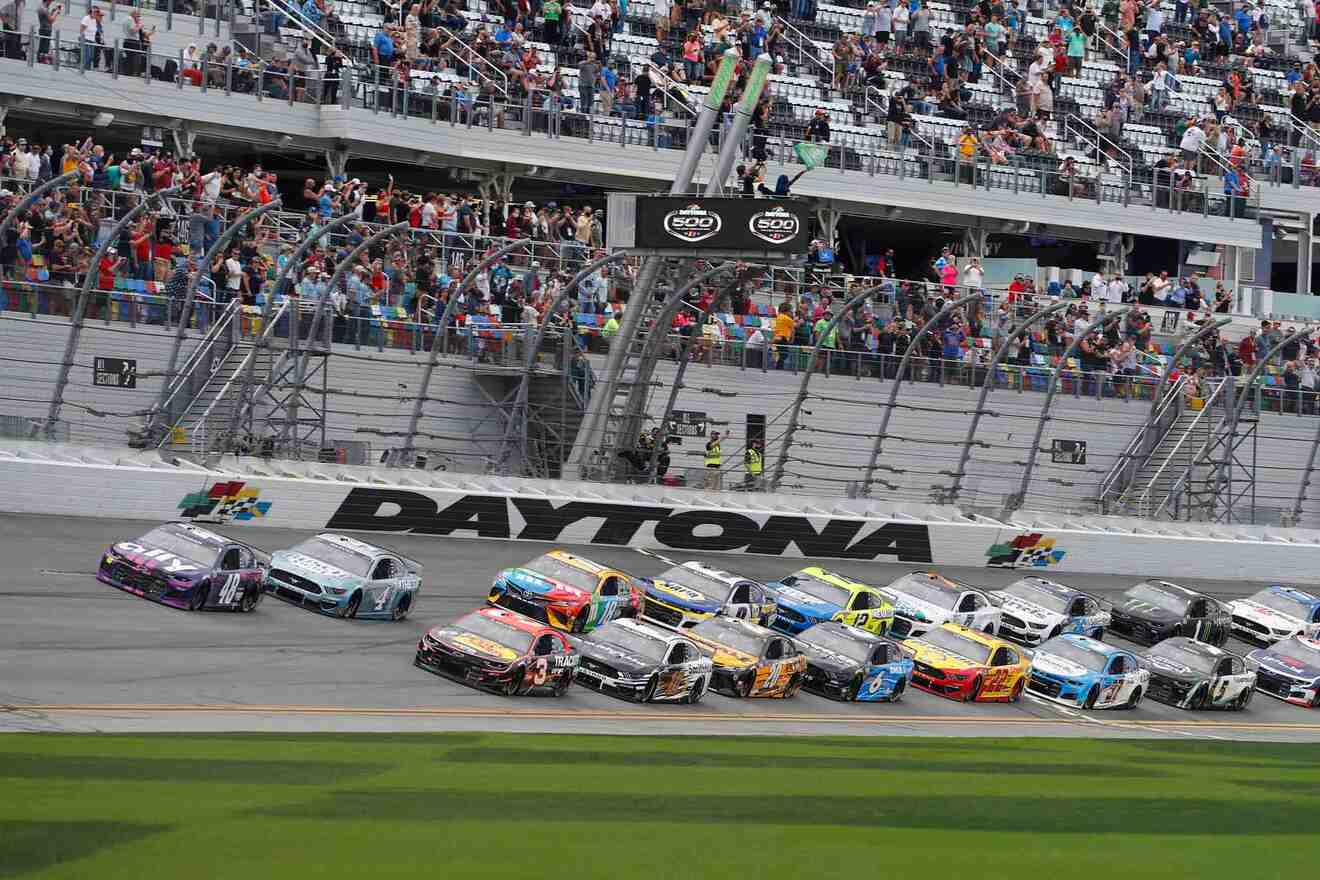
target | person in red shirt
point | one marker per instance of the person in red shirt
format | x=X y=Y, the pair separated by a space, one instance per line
x=1016 y=289
x=1247 y=350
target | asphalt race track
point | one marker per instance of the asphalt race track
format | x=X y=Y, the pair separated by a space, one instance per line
x=77 y=655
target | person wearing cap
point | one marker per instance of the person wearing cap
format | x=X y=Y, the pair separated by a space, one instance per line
x=818 y=130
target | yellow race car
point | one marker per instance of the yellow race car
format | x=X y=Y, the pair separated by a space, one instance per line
x=749 y=660
x=815 y=595
x=966 y=664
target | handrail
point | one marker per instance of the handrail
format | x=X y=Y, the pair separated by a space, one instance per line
x=1117 y=46
x=473 y=59
x=1225 y=165
x=1100 y=138
x=883 y=110
x=1123 y=461
x=218 y=328
x=669 y=87
x=241 y=369
x=1304 y=130
x=1143 y=500
x=810 y=49
x=997 y=70
x=291 y=11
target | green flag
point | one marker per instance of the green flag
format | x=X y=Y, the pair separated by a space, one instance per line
x=811 y=155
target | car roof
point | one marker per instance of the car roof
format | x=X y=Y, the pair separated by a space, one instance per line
x=976 y=635
x=581 y=562
x=513 y=620
x=833 y=577
x=645 y=630
x=1169 y=587
x=934 y=579
x=197 y=533
x=1192 y=646
x=717 y=574
x=1093 y=644
x=852 y=632
x=752 y=629
x=1293 y=593
x=1054 y=587
x=362 y=548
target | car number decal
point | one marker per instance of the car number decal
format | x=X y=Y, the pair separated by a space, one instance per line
x=229 y=592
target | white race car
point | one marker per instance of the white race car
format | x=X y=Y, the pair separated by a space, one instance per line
x=923 y=600
x=1274 y=614
x=1035 y=609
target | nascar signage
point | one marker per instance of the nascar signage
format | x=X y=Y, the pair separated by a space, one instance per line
x=721 y=224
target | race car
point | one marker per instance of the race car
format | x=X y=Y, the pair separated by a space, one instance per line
x=847 y=663
x=684 y=595
x=643 y=663
x=1193 y=675
x=186 y=566
x=749 y=660
x=813 y=595
x=923 y=600
x=344 y=577
x=952 y=660
x=1034 y=609
x=1276 y=613
x=1081 y=671
x=499 y=650
x=567 y=592
x=1153 y=611
x=1289 y=670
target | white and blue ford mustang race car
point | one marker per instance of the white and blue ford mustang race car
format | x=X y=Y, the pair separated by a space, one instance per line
x=344 y=577
x=1276 y=613
x=1035 y=609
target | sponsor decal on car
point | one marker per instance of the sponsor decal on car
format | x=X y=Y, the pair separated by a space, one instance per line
x=485 y=646
x=1027 y=550
x=162 y=559
x=228 y=501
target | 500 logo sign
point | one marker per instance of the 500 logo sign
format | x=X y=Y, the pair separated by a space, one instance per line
x=587 y=522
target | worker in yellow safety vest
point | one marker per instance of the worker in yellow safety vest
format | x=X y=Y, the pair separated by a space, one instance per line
x=753 y=461
x=713 y=461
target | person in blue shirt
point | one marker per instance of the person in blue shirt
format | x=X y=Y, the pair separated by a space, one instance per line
x=382 y=51
x=360 y=295
x=311 y=10
x=1064 y=22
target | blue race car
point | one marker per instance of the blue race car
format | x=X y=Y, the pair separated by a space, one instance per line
x=1080 y=671
x=847 y=663
x=344 y=577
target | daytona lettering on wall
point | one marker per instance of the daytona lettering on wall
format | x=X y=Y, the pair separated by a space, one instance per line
x=588 y=522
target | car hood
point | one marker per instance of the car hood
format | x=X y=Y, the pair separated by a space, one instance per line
x=315 y=570
x=1053 y=664
x=1028 y=611
x=1263 y=614
x=1141 y=610
x=938 y=658
x=1273 y=662
x=471 y=643
x=1171 y=668
x=621 y=659
x=682 y=597
x=532 y=582
x=155 y=559
x=792 y=597
x=829 y=661
x=910 y=606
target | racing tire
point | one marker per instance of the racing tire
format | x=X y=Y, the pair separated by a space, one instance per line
x=1315 y=701
x=897 y=693
x=249 y=601
x=197 y=601
x=1017 y=691
x=1133 y=700
x=562 y=685
x=854 y=688
x=402 y=607
x=1202 y=697
x=742 y=687
x=694 y=696
x=794 y=685
x=989 y=629
x=1091 y=696
x=1055 y=633
x=354 y=602
x=1243 y=700
x=649 y=694
x=974 y=691
x=514 y=682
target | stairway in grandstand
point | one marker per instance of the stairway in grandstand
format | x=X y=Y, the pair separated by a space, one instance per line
x=209 y=414
x=1176 y=458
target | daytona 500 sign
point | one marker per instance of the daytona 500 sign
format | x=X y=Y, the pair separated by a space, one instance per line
x=590 y=522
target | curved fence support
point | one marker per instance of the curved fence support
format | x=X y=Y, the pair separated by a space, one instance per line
x=80 y=309
x=439 y=340
x=1016 y=502
x=787 y=440
x=519 y=415
x=1230 y=421
x=989 y=382
x=913 y=346
x=190 y=293
x=1158 y=397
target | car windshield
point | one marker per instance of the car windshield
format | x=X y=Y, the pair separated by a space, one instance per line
x=825 y=592
x=1039 y=595
x=333 y=554
x=1159 y=598
x=181 y=544
x=1180 y=655
x=1297 y=650
x=729 y=634
x=626 y=639
x=920 y=587
x=1092 y=660
x=836 y=642
x=686 y=577
x=559 y=570
x=514 y=639
x=954 y=643
x=1285 y=604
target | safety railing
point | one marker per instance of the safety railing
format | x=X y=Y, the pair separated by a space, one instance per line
x=1139 y=449
x=1186 y=453
x=211 y=350
x=1078 y=128
x=477 y=66
x=804 y=51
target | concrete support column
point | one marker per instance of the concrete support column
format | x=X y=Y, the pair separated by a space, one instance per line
x=184 y=138
x=973 y=243
x=1305 y=241
x=336 y=162
x=828 y=218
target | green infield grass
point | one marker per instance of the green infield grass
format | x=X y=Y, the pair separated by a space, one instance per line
x=303 y=806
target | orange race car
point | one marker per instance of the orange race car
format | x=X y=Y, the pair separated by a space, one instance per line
x=749 y=660
x=567 y=592
x=966 y=664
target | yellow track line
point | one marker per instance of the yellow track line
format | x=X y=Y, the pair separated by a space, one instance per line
x=623 y=715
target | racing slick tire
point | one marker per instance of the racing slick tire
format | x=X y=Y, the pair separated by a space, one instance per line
x=249 y=600
x=794 y=685
x=1243 y=700
x=743 y=686
x=198 y=599
x=354 y=602
x=694 y=696
x=897 y=693
x=1133 y=700
x=854 y=688
x=974 y=691
x=514 y=682
x=561 y=686
x=402 y=607
x=1091 y=696
x=1315 y=701
x=1017 y=691
x=649 y=694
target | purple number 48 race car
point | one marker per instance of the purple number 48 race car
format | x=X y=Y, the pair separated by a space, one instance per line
x=184 y=566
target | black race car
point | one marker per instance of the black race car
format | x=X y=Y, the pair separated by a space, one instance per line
x=187 y=567
x=1153 y=611
x=1193 y=675
x=640 y=662
x=847 y=663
